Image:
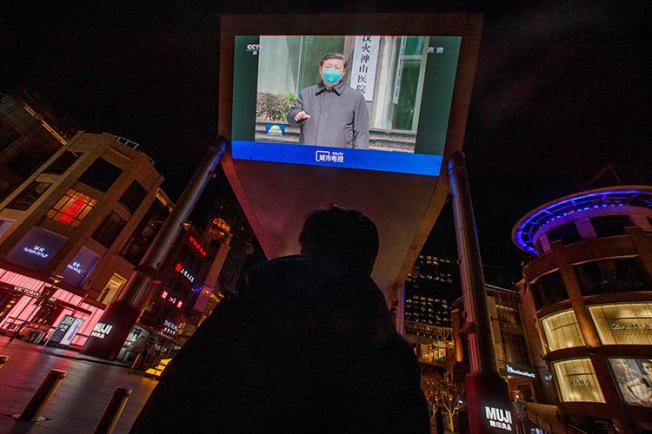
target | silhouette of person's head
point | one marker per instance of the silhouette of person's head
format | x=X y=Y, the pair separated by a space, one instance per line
x=343 y=234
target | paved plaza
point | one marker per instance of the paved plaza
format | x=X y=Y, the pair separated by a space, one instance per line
x=78 y=404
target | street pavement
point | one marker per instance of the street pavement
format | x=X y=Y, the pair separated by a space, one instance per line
x=79 y=402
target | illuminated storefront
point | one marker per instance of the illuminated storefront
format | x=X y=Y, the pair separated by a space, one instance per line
x=588 y=299
x=38 y=309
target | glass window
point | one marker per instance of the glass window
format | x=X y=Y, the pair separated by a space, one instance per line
x=577 y=381
x=8 y=134
x=112 y=287
x=562 y=331
x=36 y=249
x=634 y=380
x=609 y=225
x=567 y=233
x=109 y=229
x=62 y=163
x=72 y=208
x=623 y=323
x=145 y=232
x=29 y=195
x=612 y=275
x=29 y=159
x=101 y=175
x=133 y=196
x=548 y=289
x=80 y=267
x=5 y=225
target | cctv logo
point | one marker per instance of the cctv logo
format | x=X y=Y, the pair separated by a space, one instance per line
x=253 y=49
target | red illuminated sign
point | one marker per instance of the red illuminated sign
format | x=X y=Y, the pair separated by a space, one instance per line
x=72 y=210
x=185 y=273
x=197 y=245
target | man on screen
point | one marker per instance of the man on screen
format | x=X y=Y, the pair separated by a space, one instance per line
x=331 y=113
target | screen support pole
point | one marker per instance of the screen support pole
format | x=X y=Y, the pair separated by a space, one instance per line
x=484 y=387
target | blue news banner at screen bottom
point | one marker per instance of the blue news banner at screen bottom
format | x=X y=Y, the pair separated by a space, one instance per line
x=383 y=161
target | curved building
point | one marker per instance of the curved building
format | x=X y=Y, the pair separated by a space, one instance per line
x=587 y=299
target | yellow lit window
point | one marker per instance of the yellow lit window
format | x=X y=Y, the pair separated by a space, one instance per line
x=577 y=381
x=623 y=323
x=562 y=331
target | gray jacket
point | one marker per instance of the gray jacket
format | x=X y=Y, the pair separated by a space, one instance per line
x=338 y=117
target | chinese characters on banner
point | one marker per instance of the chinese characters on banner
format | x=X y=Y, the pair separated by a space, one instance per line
x=363 y=69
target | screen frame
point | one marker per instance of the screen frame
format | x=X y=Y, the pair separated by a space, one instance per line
x=468 y=25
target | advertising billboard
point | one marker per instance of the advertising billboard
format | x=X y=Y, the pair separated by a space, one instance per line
x=371 y=102
x=634 y=380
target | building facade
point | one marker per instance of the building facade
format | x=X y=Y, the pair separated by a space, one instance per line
x=28 y=138
x=511 y=351
x=587 y=305
x=68 y=234
x=430 y=290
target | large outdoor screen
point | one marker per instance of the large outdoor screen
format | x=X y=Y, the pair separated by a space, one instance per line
x=371 y=102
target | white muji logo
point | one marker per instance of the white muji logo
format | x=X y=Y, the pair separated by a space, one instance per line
x=499 y=418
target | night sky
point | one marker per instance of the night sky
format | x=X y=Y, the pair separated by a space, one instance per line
x=561 y=90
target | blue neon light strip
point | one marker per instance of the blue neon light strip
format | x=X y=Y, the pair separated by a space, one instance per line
x=524 y=234
x=383 y=161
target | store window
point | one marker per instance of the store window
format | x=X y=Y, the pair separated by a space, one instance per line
x=109 y=229
x=562 y=331
x=623 y=323
x=80 y=267
x=29 y=195
x=36 y=249
x=567 y=234
x=609 y=225
x=112 y=289
x=577 y=381
x=634 y=380
x=548 y=289
x=133 y=196
x=62 y=163
x=612 y=275
x=72 y=208
x=101 y=175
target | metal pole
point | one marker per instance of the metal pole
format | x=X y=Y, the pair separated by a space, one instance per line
x=113 y=411
x=42 y=396
x=477 y=325
x=141 y=279
x=486 y=391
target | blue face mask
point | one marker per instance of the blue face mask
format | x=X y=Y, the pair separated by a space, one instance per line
x=332 y=75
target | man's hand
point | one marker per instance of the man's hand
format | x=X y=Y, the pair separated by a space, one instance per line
x=301 y=116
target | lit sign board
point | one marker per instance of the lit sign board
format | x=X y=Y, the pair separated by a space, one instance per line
x=72 y=331
x=197 y=245
x=170 y=328
x=389 y=111
x=498 y=418
x=101 y=330
x=184 y=272
x=36 y=249
x=632 y=377
x=80 y=266
x=165 y=295
x=519 y=372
